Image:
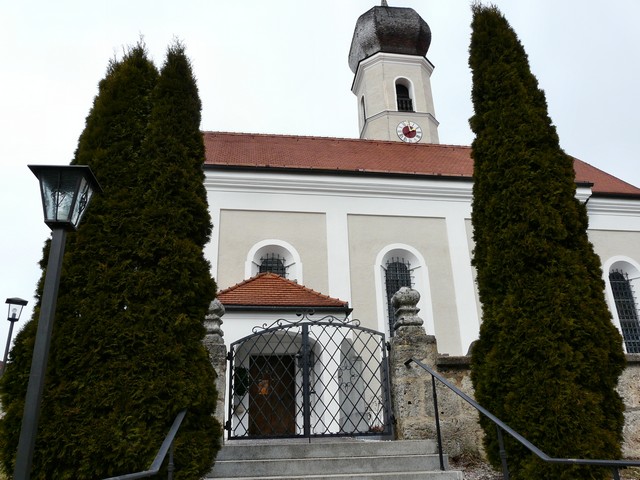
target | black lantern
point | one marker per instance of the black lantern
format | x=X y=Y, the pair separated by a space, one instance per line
x=15 y=309
x=66 y=191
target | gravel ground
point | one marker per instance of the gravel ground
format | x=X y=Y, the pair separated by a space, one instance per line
x=476 y=470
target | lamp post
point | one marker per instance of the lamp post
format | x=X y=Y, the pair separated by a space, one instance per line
x=66 y=191
x=15 y=309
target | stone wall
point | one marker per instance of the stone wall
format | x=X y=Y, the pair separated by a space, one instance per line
x=629 y=389
x=412 y=397
x=458 y=370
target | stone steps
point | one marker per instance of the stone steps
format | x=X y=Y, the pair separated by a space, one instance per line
x=331 y=460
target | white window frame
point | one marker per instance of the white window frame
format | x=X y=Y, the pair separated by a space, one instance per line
x=420 y=274
x=632 y=269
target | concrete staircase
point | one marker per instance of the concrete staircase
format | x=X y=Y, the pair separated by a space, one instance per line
x=338 y=459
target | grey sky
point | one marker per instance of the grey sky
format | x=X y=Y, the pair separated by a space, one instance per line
x=281 y=67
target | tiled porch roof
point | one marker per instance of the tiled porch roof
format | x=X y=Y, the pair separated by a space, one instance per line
x=271 y=290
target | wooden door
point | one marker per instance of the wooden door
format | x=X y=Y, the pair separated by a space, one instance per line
x=272 y=395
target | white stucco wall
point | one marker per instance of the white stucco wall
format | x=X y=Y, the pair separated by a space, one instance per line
x=339 y=224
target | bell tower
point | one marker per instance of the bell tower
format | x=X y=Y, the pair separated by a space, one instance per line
x=392 y=79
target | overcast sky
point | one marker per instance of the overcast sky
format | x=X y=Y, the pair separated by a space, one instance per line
x=280 y=66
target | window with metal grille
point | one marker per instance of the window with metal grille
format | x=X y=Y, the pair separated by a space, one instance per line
x=405 y=104
x=627 y=309
x=397 y=275
x=273 y=263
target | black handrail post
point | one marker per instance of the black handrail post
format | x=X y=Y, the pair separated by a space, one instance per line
x=503 y=454
x=437 y=414
x=306 y=387
x=616 y=473
x=228 y=426
x=170 y=466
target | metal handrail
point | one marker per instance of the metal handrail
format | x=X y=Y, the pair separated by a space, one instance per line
x=615 y=465
x=167 y=446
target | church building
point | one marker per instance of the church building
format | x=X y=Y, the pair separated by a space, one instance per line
x=347 y=222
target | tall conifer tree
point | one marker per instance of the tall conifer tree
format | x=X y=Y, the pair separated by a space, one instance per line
x=548 y=358
x=126 y=354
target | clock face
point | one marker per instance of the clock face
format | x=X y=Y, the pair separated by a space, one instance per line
x=409 y=131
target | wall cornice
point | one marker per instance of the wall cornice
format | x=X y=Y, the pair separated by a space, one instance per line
x=327 y=185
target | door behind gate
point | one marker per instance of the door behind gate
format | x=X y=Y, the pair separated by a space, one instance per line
x=311 y=377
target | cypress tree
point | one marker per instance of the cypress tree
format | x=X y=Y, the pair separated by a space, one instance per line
x=548 y=358
x=110 y=145
x=126 y=353
x=178 y=284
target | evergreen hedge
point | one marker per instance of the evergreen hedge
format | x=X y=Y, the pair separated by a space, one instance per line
x=126 y=353
x=548 y=358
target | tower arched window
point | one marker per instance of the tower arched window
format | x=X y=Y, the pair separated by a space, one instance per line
x=626 y=308
x=397 y=274
x=403 y=97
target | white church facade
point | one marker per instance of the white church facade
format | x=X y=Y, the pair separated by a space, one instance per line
x=355 y=219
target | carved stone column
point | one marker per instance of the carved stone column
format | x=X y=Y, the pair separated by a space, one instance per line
x=214 y=344
x=410 y=386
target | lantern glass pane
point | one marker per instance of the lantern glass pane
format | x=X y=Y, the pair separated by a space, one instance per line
x=58 y=195
x=84 y=195
x=15 y=308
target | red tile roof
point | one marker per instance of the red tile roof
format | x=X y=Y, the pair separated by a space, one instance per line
x=271 y=290
x=353 y=156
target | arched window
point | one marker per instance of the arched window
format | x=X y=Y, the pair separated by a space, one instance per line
x=363 y=110
x=399 y=265
x=276 y=256
x=397 y=274
x=274 y=263
x=403 y=96
x=626 y=308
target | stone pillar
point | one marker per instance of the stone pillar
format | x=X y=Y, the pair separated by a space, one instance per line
x=412 y=390
x=214 y=344
x=411 y=386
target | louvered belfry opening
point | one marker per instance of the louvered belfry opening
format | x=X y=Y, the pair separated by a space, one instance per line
x=405 y=104
x=624 y=297
x=397 y=275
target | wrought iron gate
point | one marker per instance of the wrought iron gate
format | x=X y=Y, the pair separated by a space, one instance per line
x=311 y=377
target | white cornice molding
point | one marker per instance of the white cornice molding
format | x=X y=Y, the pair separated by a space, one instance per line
x=614 y=214
x=319 y=185
x=389 y=58
x=614 y=206
x=401 y=115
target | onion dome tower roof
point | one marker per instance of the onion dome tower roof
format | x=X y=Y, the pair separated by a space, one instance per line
x=390 y=30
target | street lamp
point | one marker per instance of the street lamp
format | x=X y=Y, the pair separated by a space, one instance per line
x=66 y=191
x=15 y=309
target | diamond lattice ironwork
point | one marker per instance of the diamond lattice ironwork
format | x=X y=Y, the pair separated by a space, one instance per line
x=312 y=377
